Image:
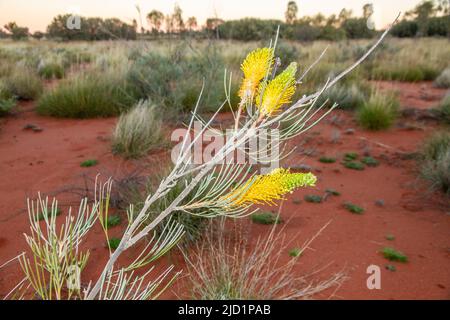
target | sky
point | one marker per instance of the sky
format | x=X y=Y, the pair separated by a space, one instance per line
x=37 y=14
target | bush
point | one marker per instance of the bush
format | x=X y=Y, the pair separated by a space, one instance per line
x=435 y=165
x=443 y=80
x=379 y=112
x=24 y=84
x=87 y=96
x=175 y=80
x=405 y=29
x=138 y=131
x=265 y=218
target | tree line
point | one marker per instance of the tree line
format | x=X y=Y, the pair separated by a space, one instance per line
x=428 y=18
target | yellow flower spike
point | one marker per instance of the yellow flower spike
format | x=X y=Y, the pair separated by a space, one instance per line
x=265 y=189
x=277 y=92
x=255 y=67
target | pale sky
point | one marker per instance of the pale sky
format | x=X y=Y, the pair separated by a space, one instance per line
x=37 y=14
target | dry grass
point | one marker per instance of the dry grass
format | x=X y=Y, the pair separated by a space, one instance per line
x=226 y=266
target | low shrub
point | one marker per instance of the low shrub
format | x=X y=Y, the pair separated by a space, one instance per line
x=408 y=72
x=7 y=100
x=353 y=208
x=138 y=131
x=89 y=163
x=379 y=112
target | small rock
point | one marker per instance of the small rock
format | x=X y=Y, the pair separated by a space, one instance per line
x=350 y=131
x=379 y=203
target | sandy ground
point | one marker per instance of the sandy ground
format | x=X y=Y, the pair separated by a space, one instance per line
x=49 y=161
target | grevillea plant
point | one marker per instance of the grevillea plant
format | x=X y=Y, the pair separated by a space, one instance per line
x=213 y=188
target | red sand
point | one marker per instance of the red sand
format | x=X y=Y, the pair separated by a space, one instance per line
x=49 y=161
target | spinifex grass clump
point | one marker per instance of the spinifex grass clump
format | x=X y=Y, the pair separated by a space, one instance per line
x=394 y=255
x=138 y=131
x=87 y=96
x=312 y=198
x=435 y=163
x=370 y=161
x=348 y=96
x=51 y=70
x=379 y=112
x=24 y=84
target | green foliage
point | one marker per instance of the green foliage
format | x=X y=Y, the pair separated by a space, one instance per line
x=394 y=255
x=379 y=112
x=354 y=165
x=175 y=79
x=435 y=163
x=87 y=96
x=356 y=28
x=91 y=29
x=406 y=72
x=42 y=214
x=113 y=243
x=138 y=131
x=327 y=160
x=390 y=237
x=333 y=192
x=353 y=208
x=350 y=156
x=7 y=100
x=391 y=267
x=89 y=163
x=295 y=252
x=113 y=221
x=265 y=218
x=405 y=29
x=369 y=161
x=313 y=198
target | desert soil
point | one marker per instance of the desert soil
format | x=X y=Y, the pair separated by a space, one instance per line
x=395 y=200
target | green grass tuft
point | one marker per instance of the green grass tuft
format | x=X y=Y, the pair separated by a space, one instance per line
x=391 y=267
x=42 y=217
x=369 y=161
x=353 y=208
x=113 y=243
x=333 y=192
x=394 y=255
x=295 y=252
x=266 y=218
x=89 y=163
x=350 y=156
x=327 y=160
x=354 y=165
x=113 y=221
x=390 y=237
x=313 y=198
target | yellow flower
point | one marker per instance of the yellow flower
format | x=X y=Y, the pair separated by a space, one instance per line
x=265 y=189
x=277 y=92
x=255 y=67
